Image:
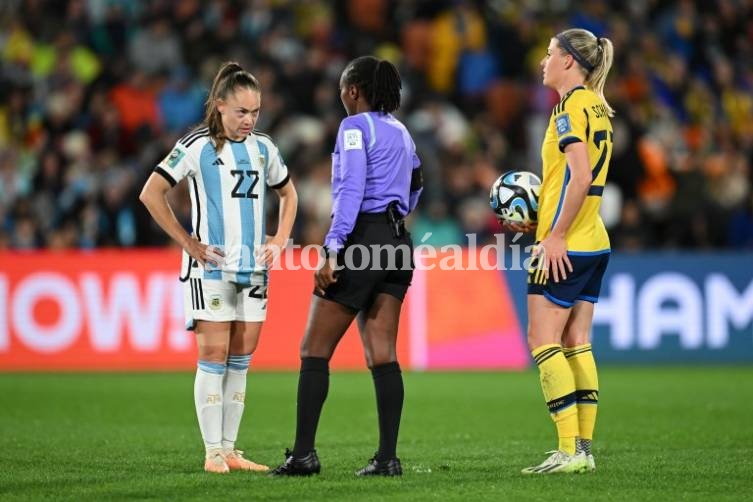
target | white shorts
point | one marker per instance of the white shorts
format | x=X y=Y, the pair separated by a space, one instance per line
x=216 y=300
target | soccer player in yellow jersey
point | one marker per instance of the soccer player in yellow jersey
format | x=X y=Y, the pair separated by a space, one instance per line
x=572 y=248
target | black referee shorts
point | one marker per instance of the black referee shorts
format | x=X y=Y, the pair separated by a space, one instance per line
x=373 y=261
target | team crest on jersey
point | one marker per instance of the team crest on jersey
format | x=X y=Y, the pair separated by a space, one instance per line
x=352 y=139
x=215 y=302
x=174 y=157
x=562 y=123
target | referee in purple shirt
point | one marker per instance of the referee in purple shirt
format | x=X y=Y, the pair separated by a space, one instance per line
x=376 y=181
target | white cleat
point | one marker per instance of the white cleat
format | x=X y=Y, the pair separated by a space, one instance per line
x=560 y=462
x=237 y=462
x=591 y=463
x=215 y=462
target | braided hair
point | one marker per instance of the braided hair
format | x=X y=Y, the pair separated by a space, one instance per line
x=378 y=80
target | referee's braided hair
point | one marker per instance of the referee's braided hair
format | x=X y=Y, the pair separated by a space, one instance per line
x=378 y=79
x=229 y=77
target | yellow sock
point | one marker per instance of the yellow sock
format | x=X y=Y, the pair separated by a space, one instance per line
x=583 y=366
x=559 y=392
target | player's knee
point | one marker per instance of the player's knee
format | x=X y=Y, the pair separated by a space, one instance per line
x=380 y=359
x=380 y=353
x=311 y=348
x=574 y=338
x=249 y=345
x=534 y=340
x=213 y=353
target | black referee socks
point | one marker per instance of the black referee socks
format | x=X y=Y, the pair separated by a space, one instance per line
x=313 y=385
x=388 y=384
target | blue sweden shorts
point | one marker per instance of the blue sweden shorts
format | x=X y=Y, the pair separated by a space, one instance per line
x=582 y=284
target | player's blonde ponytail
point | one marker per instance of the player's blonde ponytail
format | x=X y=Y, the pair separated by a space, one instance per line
x=594 y=56
x=229 y=76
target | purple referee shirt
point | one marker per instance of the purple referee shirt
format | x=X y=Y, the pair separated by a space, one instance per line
x=372 y=165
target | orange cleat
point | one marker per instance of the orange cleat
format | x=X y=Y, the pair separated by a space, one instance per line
x=215 y=462
x=235 y=461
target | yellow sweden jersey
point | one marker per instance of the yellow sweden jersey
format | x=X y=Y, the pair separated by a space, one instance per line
x=579 y=116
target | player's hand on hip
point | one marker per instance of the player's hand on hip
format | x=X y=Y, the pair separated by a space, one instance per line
x=204 y=253
x=271 y=250
x=553 y=259
x=325 y=274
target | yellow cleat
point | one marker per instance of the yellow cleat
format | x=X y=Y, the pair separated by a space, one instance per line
x=235 y=461
x=215 y=462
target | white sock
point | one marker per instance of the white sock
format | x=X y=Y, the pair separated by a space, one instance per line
x=234 y=397
x=207 y=394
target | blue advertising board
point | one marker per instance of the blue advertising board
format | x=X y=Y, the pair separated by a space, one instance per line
x=670 y=307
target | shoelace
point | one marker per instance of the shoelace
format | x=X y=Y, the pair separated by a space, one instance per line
x=555 y=455
x=289 y=459
x=217 y=458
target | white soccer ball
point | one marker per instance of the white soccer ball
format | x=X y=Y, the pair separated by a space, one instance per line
x=514 y=197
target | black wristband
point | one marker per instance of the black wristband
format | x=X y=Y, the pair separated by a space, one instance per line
x=329 y=253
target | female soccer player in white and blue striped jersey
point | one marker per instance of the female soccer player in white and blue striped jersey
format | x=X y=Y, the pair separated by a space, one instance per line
x=225 y=260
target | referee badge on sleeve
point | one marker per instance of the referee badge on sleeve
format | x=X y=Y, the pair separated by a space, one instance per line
x=562 y=123
x=352 y=139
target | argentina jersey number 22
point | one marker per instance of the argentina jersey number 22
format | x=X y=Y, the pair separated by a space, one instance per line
x=245 y=184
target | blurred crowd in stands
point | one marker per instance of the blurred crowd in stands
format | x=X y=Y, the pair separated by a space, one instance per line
x=93 y=93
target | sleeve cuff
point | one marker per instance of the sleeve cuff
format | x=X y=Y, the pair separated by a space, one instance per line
x=281 y=184
x=165 y=175
x=332 y=245
x=567 y=141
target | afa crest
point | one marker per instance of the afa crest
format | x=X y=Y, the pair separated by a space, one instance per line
x=215 y=302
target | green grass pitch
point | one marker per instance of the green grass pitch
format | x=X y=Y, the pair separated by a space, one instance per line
x=663 y=434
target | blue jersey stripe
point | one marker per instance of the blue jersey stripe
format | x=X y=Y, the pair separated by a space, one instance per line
x=210 y=175
x=246 y=205
x=562 y=195
x=264 y=151
x=372 y=130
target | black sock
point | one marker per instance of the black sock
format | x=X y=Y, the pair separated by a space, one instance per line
x=388 y=384
x=313 y=384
